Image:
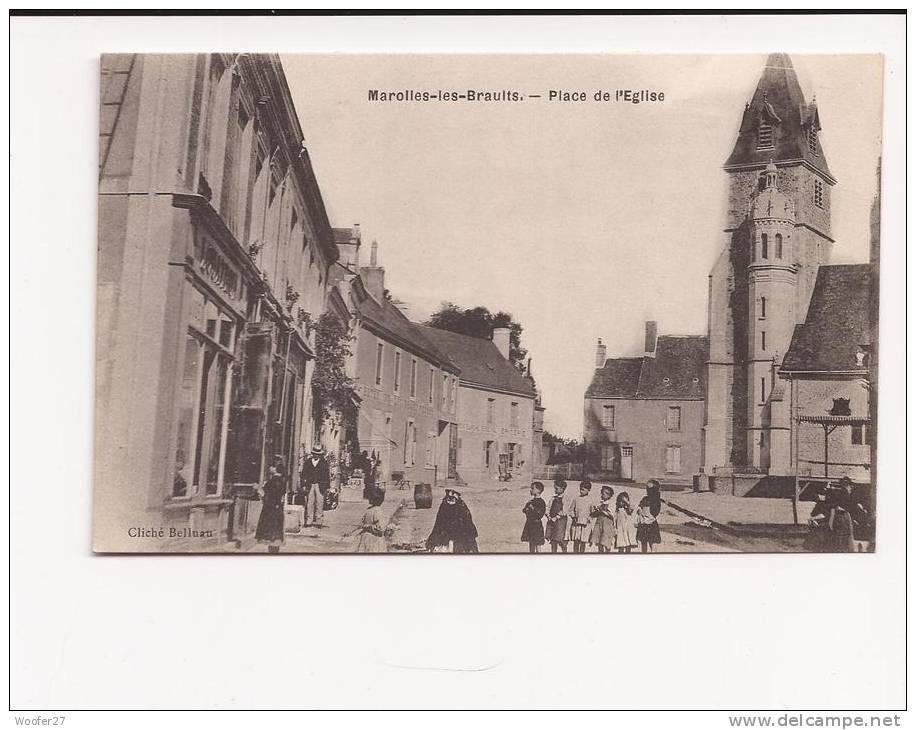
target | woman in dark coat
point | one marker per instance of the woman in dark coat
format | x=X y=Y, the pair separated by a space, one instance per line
x=534 y=511
x=273 y=498
x=453 y=524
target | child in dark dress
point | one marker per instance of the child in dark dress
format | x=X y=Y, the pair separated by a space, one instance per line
x=557 y=532
x=534 y=511
x=648 y=534
x=273 y=493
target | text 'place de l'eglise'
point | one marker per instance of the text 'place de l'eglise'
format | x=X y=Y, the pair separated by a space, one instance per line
x=231 y=310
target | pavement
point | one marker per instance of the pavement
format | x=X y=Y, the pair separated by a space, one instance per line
x=690 y=522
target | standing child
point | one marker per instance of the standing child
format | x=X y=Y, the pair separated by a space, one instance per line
x=648 y=534
x=372 y=533
x=624 y=533
x=534 y=511
x=580 y=517
x=557 y=522
x=603 y=529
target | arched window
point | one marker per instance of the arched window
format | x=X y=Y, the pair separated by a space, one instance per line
x=763 y=307
x=779 y=245
x=764 y=247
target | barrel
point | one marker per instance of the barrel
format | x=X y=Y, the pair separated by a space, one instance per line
x=423 y=496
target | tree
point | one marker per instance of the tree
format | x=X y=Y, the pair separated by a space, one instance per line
x=333 y=390
x=479 y=322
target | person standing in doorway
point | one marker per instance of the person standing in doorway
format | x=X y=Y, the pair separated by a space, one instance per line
x=315 y=480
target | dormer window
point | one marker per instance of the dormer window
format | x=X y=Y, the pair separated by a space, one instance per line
x=812 y=140
x=765 y=136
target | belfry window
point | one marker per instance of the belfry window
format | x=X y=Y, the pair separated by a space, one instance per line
x=812 y=139
x=819 y=193
x=779 y=245
x=764 y=246
x=765 y=136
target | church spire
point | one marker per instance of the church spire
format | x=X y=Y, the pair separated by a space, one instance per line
x=778 y=124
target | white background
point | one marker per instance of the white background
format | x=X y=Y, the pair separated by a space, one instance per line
x=740 y=632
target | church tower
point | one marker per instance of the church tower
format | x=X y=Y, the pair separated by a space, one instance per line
x=777 y=234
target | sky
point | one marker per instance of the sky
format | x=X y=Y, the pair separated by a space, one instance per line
x=583 y=220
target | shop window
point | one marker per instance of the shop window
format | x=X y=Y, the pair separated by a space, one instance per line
x=674 y=418
x=202 y=403
x=673 y=459
x=607 y=418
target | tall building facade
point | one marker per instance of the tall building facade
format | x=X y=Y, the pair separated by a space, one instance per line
x=214 y=255
x=777 y=235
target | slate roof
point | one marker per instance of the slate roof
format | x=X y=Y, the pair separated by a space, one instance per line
x=480 y=362
x=676 y=371
x=837 y=323
x=778 y=99
x=390 y=323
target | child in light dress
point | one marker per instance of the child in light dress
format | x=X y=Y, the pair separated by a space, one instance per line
x=603 y=522
x=580 y=517
x=372 y=533
x=624 y=529
x=648 y=534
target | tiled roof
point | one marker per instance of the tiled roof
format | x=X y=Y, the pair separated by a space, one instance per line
x=778 y=99
x=391 y=323
x=676 y=371
x=480 y=361
x=837 y=323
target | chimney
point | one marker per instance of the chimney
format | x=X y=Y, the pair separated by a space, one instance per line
x=501 y=340
x=651 y=337
x=373 y=276
x=600 y=354
x=358 y=240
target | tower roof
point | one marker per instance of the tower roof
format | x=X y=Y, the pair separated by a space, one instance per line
x=779 y=102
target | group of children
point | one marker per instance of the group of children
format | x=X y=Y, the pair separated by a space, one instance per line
x=584 y=521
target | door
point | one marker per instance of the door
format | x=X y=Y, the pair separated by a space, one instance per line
x=626 y=462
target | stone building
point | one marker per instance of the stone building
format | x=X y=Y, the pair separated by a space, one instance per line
x=408 y=388
x=644 y=415
x=825 y=406
x=496 y=407
x=777 y=234
x=214 y=255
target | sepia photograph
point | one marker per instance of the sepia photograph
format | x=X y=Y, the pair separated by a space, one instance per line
x=439 y=304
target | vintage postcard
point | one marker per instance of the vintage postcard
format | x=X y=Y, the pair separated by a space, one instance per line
x=424 y=304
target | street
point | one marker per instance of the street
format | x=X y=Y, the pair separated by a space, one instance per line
x=690 y=522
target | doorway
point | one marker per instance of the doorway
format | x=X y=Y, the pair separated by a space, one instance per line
x=626 y=462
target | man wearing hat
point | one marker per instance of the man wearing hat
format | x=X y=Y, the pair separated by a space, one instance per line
x=315 y=480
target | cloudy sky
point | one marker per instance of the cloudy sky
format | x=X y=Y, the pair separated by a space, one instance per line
x=582 y=219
